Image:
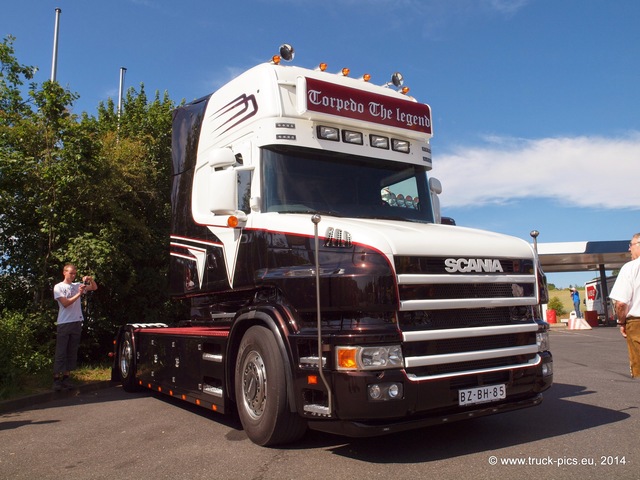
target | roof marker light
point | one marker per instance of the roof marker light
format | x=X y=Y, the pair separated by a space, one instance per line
x=366 y=77
x=345 y=72
x=322 y=67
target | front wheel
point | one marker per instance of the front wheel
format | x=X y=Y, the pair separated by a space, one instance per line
x=261 y=391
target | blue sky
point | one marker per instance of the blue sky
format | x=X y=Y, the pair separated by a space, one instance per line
x=535 y=102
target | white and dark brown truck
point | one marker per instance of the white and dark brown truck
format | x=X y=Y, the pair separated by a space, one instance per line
x=324 y=291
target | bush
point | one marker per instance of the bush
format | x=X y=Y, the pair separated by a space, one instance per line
x=24 y=347
x=556 y=304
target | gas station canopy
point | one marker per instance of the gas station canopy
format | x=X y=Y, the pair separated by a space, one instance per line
x=583 y=256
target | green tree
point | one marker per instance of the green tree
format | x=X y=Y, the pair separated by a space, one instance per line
x=93 y=191
x=12 y=78
x=128 y=205
x=34 y=174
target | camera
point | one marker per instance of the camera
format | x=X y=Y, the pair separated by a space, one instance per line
x=87 y=282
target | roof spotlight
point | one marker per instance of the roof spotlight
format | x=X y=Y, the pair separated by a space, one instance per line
x=286 y=52
x=396 y=80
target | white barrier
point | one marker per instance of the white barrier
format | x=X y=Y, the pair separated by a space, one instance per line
x=576 y=323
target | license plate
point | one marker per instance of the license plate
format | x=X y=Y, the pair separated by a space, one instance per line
x=488 y=393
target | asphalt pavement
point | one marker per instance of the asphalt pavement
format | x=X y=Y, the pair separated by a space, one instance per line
x=45 y=397
x=584 y=429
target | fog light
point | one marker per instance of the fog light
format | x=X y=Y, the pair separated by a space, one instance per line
x=394 y=391
x=547 y=369
x=382 y=392
x=375 y=392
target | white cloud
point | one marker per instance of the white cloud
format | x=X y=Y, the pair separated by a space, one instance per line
x=597 y=172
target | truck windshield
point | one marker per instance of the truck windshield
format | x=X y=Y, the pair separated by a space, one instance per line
x=311 y=181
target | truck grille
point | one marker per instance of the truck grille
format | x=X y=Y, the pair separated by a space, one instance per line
x=461 y=318
x=466 y=323
x=465 y=368
x=463 y=290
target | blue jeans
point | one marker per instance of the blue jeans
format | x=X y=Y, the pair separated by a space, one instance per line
x=67 y=343
x=576 y=306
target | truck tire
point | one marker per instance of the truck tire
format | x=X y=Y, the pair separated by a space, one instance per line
x=127 y=362
x=261 y=391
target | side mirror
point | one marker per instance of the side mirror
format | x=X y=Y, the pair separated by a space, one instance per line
x=223 y=192
x=220 y=158
x=215 y=185
x=435 y=188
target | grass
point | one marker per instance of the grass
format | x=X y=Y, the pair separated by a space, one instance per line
x=43 y=381
x=88 y=374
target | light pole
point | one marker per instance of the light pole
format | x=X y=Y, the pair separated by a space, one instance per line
x=54 y=61
x=120 y=91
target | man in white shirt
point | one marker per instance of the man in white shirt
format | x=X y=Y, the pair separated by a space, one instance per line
x=68 y=294
x=626 y=295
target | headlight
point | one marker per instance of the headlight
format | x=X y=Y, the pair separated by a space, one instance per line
x=369 y=358
x=542 y=339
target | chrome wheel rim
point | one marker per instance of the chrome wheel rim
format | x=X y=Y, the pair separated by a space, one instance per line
x=254 y=384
